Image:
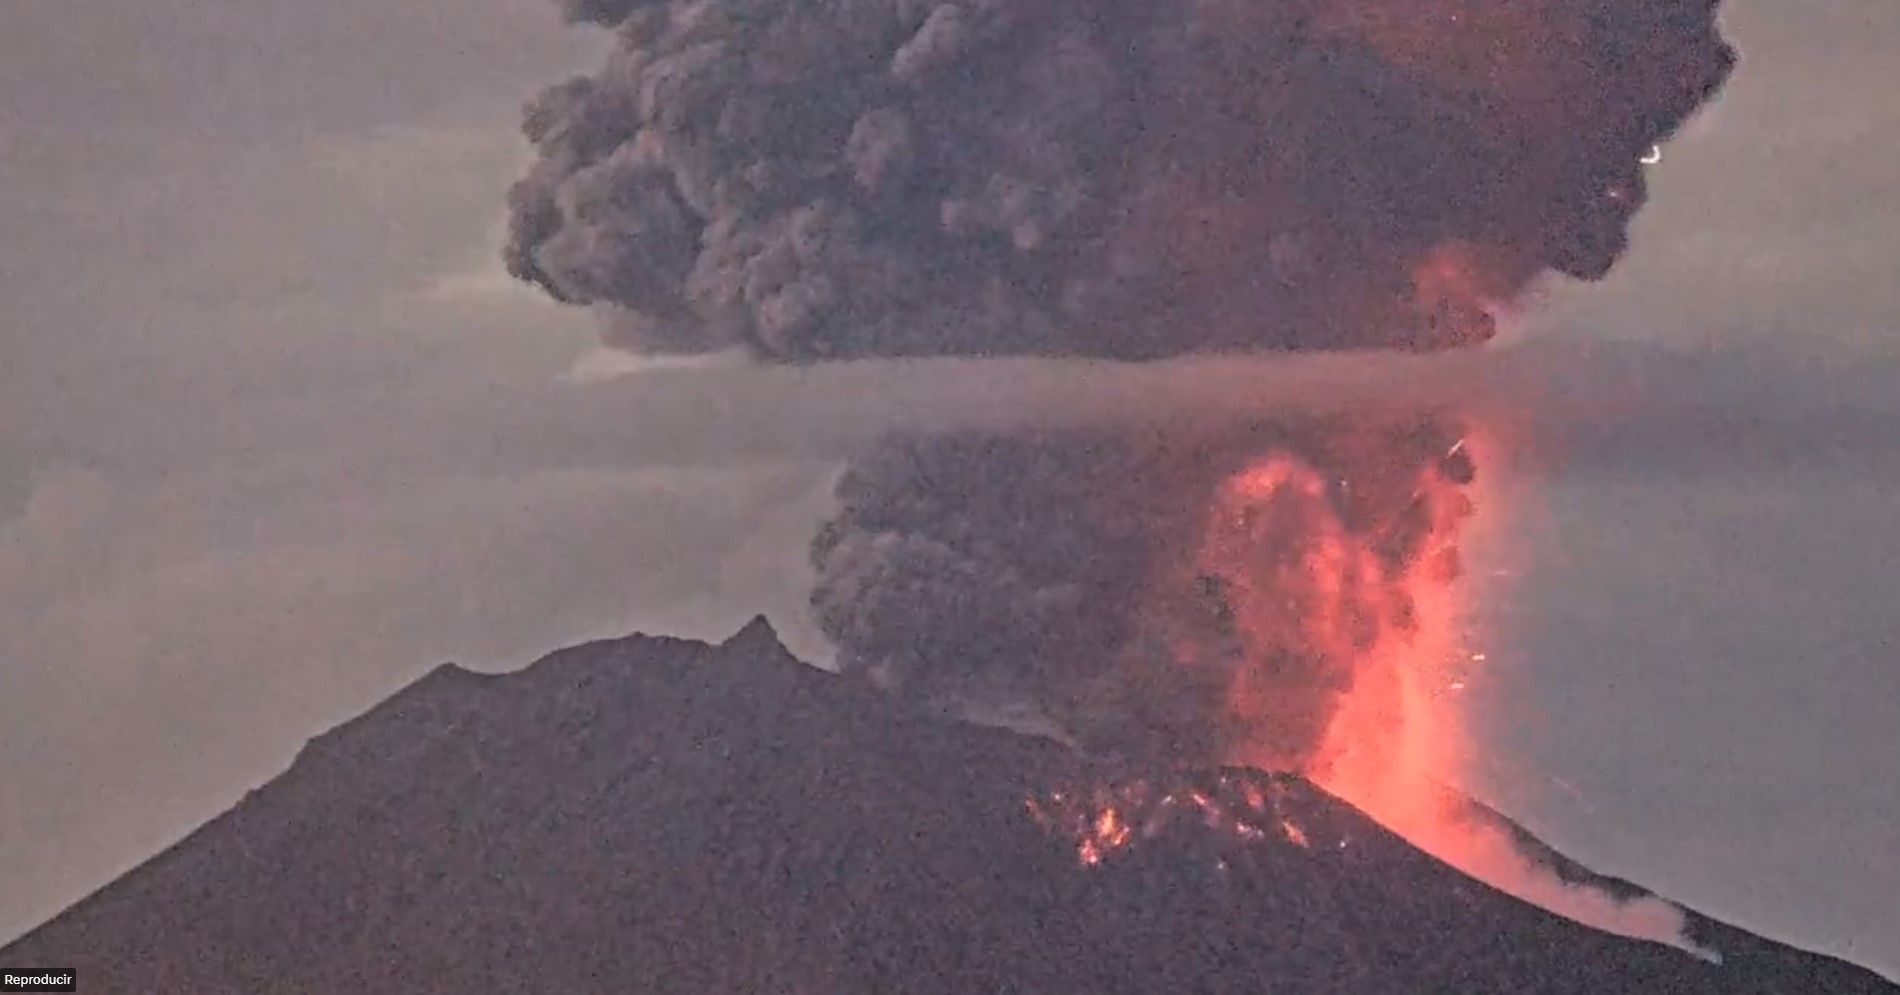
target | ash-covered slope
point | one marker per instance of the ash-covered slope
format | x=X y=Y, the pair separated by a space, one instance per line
x=653 y=815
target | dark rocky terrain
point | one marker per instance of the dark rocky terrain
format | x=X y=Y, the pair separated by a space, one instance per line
x=653 y=815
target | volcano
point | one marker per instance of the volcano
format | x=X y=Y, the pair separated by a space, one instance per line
x=657 y=815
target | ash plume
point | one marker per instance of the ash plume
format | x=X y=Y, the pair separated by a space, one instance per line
x=813 y=179
x=1190 y=595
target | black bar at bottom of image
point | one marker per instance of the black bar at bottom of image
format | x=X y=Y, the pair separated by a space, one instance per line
x=36 y=979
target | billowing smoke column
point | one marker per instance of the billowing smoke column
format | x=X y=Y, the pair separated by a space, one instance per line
x=812 y=179
x=809 y=180
x=1189 y=595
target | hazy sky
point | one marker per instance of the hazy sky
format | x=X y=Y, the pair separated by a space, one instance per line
x=276 y=437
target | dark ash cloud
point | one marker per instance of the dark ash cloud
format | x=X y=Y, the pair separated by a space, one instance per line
x=815 y=179
x=1189 y=593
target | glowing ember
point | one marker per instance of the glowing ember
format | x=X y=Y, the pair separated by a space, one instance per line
x=1327 y=573
x=1329 y=623
x=1397 y=738
x=1235 y=807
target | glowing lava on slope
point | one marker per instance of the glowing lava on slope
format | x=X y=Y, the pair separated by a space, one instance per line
x=1241 y=806
x=1321 y=604
x=1399 y=735
x=1330 y=644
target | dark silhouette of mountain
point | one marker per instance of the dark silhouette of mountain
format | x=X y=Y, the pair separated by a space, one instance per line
x=655 y=815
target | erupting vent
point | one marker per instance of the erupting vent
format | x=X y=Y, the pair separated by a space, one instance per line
x=1279 y=596
x=1236 y=807
x=814 y=180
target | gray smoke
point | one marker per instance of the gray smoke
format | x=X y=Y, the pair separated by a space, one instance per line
x=1114 y=580
x=808 y=180
x=831 y=179
x=811 y=179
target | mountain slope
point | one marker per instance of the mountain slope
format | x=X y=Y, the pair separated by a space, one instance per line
x=653 y=815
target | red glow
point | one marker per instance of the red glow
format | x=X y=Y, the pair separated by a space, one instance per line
x=1401 y=733
x=1460 y=291
x=1104 y=820
x=1335 y=641
x=1526 y=62
x=1349 y=621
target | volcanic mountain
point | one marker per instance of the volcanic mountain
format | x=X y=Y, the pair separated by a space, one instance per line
x=656 y=815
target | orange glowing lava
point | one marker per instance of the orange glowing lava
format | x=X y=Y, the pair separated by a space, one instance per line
x=1340 y=654
x=1321 y=604
x=1400 y=733
x=1336 y=572
x=1242 y=807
